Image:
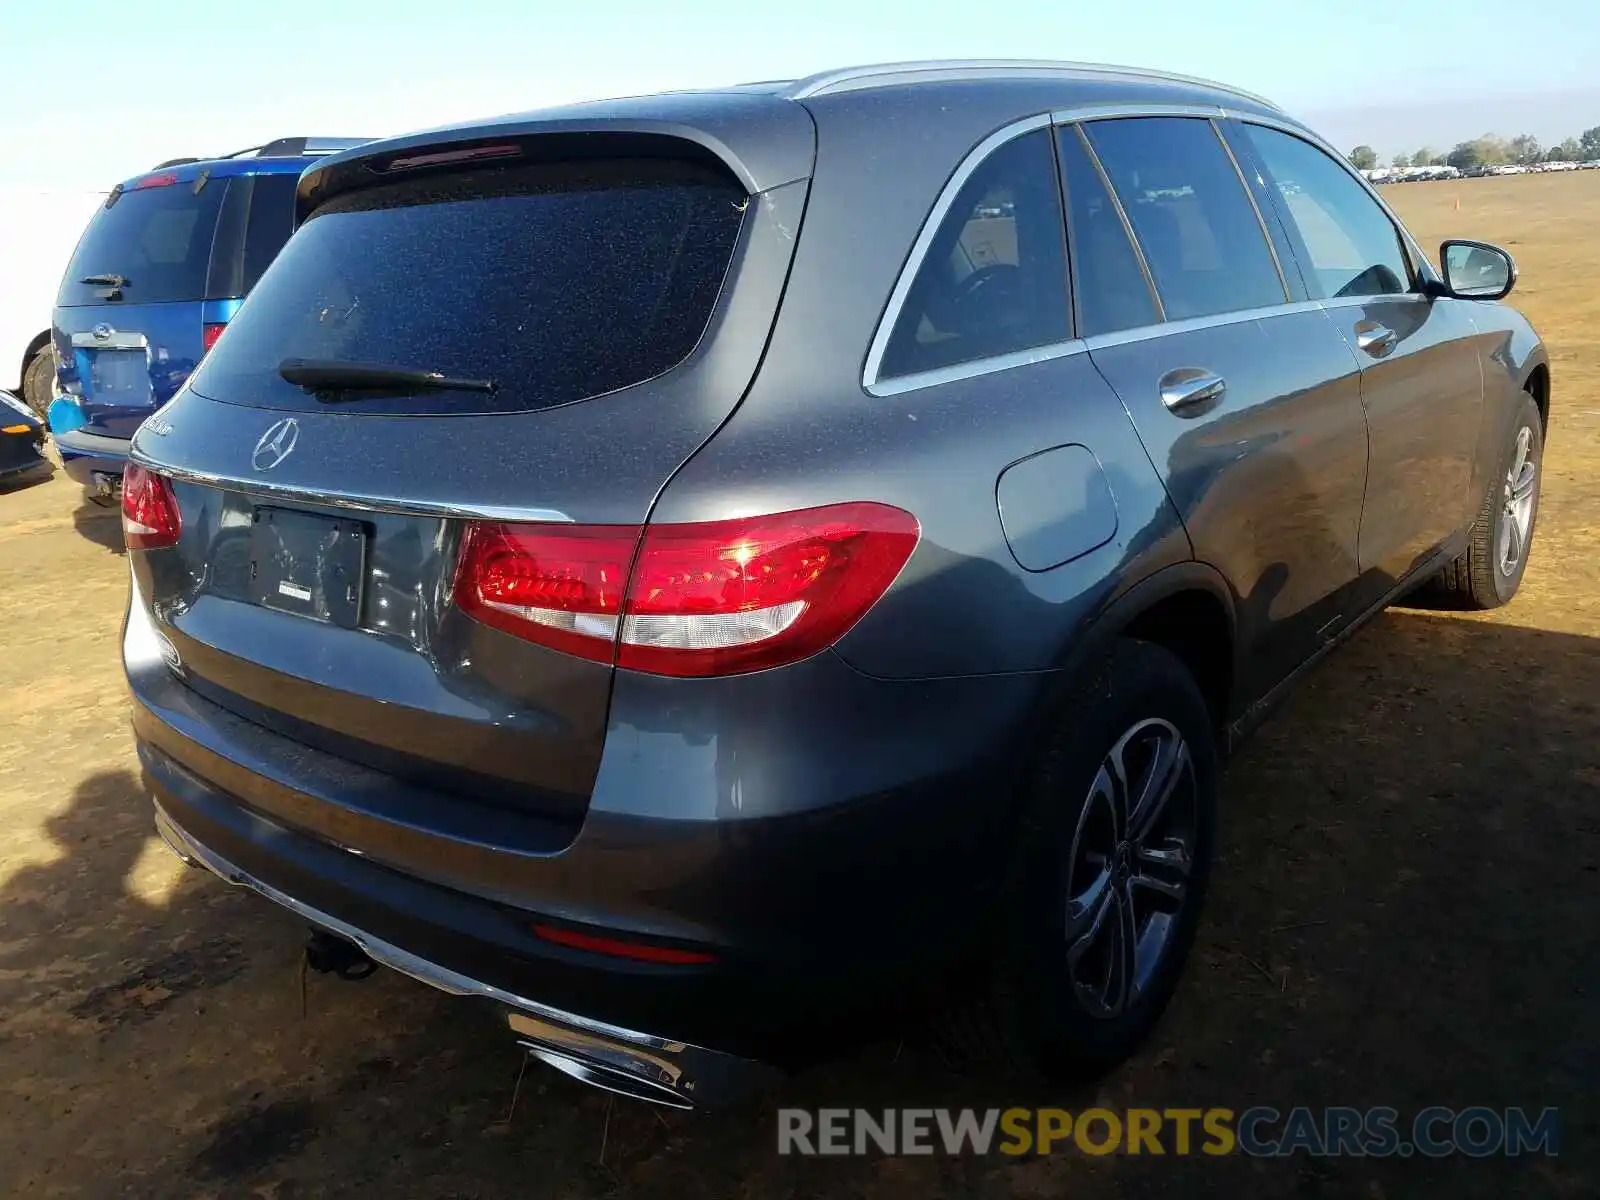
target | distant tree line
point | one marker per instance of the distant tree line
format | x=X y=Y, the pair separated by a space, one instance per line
x=1490 y=150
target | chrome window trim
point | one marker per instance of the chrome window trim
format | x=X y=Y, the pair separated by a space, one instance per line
x=849 y=79
x=1144 y=333
x=1334 y=303
x=975 y=158
x=1409 y=243
x=1076 y=116
x=898 y=384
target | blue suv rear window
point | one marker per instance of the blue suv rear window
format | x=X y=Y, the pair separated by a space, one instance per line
x=157 y=239
x=557 y=281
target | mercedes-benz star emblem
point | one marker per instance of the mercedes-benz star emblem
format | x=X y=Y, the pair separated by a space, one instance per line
x=102 y=332
x=276 y=444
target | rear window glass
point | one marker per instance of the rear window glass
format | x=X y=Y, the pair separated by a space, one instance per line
x=994 y=280
x=556 y=281
x=157 y=239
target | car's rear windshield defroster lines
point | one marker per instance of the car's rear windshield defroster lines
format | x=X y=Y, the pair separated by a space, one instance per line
x=558 y=281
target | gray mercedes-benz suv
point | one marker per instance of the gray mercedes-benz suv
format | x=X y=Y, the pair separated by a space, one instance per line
x=694 y=569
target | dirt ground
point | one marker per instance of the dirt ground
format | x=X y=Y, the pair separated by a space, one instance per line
x=1406 y=912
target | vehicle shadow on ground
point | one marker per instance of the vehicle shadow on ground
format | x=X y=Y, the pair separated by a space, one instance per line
x=101 y=524
x=1403 y=915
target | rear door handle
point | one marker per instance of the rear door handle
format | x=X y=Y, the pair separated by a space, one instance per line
x=1186 y=389
x=1377 y=340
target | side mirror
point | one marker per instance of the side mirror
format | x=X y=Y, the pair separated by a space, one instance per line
x=1476 y=270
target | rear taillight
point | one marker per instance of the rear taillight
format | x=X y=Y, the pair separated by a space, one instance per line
x=209 y=336
x=150 y=519
x=709 y=598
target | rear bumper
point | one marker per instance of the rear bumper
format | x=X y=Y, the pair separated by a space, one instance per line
x=86 y=455
x=846 y=867
x=635 y=1064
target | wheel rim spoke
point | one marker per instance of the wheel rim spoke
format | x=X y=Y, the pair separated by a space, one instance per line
x=1127 y=948
x=1168 y=767
x=1163 y=871
x=1101 y=931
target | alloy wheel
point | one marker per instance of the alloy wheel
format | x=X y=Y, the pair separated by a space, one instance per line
x=1516 y=509
x=1129 y=869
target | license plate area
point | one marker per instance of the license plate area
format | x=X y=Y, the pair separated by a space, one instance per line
x=119 y=375
x=310 y=565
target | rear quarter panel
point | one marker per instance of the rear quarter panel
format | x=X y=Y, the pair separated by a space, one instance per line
x=808 y=433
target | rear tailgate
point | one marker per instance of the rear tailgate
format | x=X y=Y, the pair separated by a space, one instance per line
x=128 y=320
x=618 y=304
x=122 y=361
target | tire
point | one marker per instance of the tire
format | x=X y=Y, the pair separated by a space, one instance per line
x=1481 y=577
x=1051 y=1016
x=36 y=379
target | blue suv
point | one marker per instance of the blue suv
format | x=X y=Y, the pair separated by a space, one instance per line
x=157 y=275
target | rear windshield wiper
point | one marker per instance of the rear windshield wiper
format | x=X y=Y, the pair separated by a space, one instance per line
x=110 y=281
x=329 y=379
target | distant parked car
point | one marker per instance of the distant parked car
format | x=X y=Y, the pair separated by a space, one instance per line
x=683 y=570
x=39 y=229
x=21 y=440
x=155 y=279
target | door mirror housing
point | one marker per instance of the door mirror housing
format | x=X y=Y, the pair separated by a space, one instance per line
x=1476 y=270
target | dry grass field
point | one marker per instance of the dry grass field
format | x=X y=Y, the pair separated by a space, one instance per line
x=1407 y=912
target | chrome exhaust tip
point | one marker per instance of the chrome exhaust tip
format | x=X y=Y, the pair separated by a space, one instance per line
x=608 y=1079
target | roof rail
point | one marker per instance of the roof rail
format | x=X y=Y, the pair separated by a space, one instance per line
x=173 y=162
x=849 y=79
x=296 y=147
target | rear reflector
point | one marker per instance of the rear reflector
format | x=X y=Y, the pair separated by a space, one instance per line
x=708 y=598
x=150 y=519
x=209 y=335
x=616 y=948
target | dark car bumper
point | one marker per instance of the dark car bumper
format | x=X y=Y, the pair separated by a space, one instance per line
x=21 y=454
x=867 y=883
x=91 y=458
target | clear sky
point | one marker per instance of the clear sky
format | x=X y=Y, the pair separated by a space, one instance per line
x=96 y=90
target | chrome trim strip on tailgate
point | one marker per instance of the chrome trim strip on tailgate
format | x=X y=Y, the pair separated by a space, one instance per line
x=330 y=498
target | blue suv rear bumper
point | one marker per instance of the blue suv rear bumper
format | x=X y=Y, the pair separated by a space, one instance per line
x=90 y=458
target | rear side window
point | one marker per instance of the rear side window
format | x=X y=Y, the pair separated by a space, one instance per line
x=557 y=281
x=1111 y=289
x=157 y=239
x=994 y=279
x=270 y=224
x=1194 y=221
x=1350 y=247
